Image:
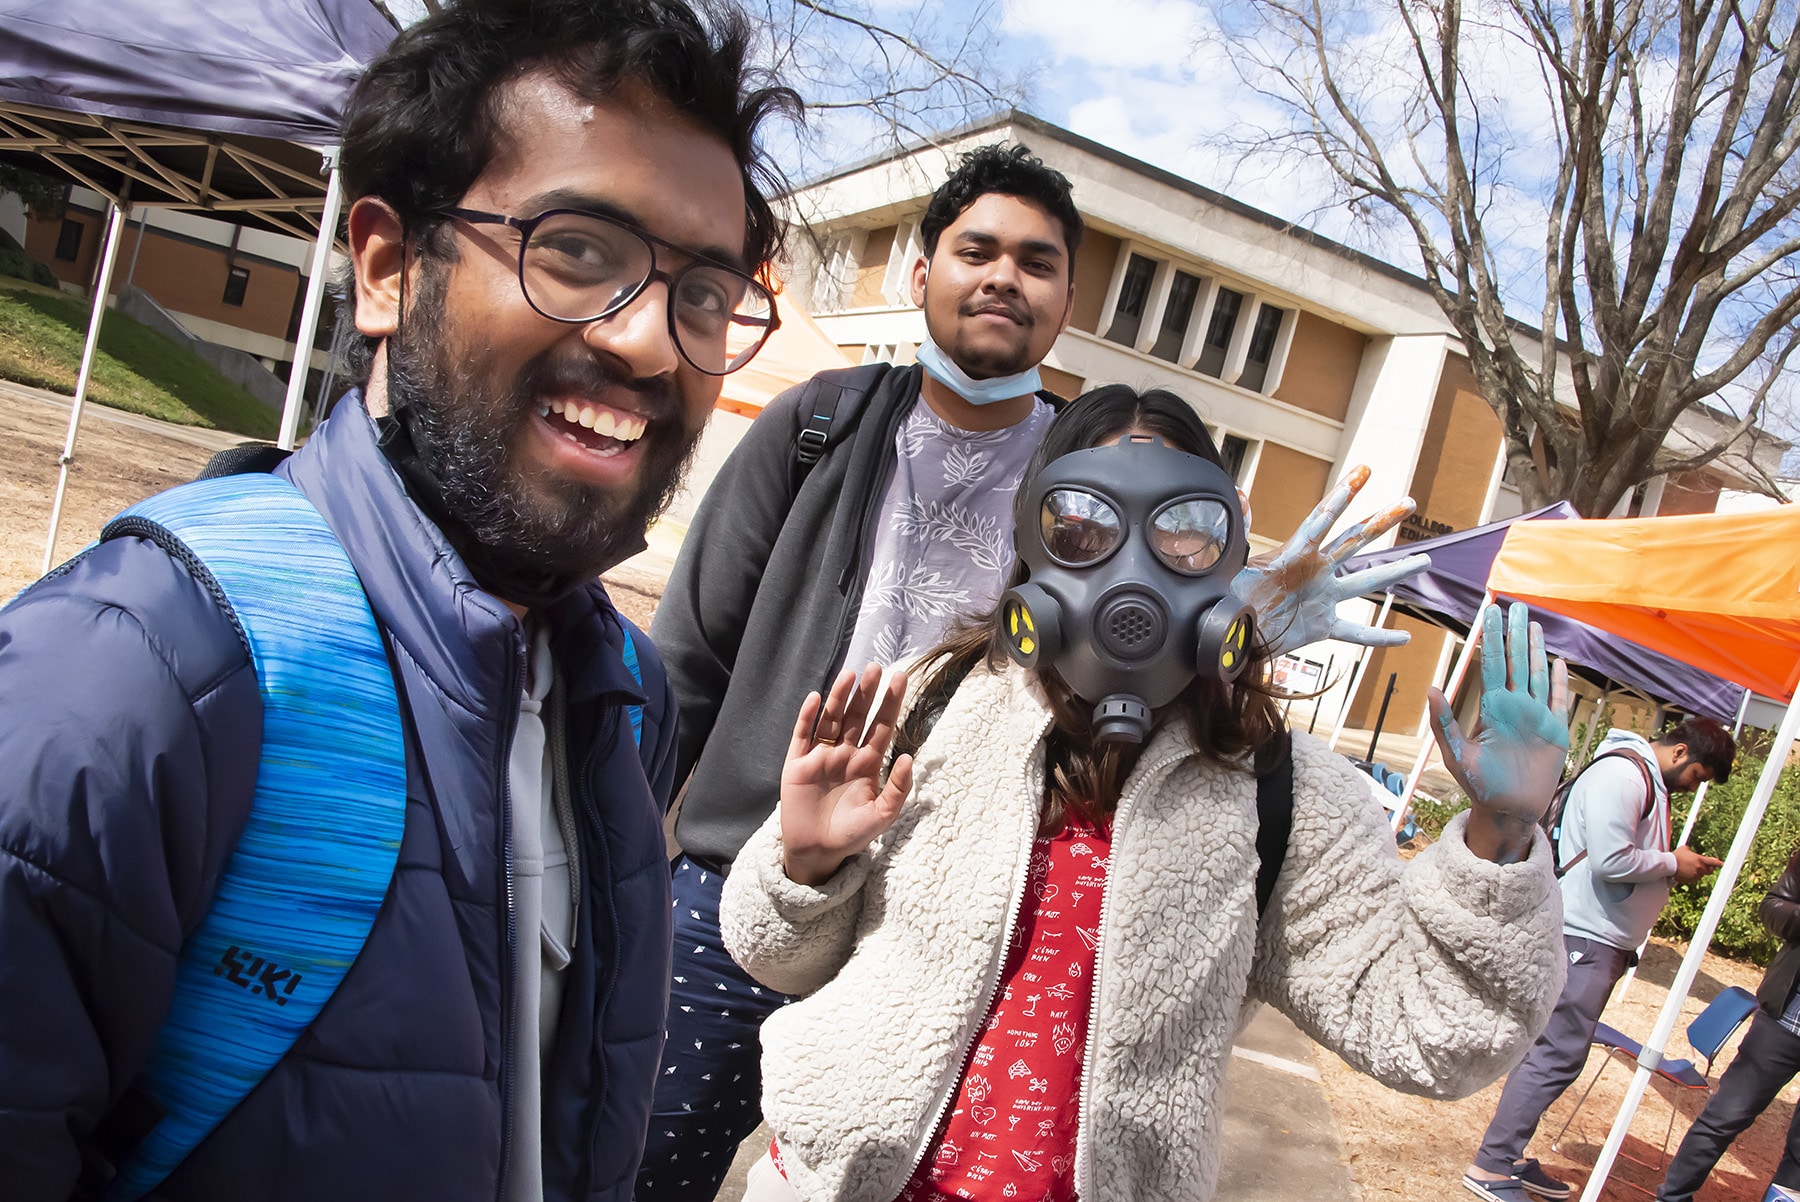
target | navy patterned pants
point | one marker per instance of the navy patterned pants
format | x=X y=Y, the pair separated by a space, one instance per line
x=709 y=1091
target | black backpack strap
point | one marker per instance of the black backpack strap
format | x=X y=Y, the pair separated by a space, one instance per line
x=820 y=402
x=243 y=459
x=1567 y=787
x=1274 y=819
x=821 y=398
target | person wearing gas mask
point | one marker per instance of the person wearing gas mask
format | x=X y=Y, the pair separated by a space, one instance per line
x=862 y=513
x=1024 y=950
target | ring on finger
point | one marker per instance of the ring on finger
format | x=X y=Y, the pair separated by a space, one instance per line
x=822 y=741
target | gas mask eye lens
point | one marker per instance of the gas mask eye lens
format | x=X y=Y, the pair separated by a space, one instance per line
x=1190 y=536
x=1079 y=528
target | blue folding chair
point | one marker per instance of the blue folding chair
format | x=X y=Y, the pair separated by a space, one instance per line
x=1708 y=1034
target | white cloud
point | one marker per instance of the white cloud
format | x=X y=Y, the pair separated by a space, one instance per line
x=1136 y=35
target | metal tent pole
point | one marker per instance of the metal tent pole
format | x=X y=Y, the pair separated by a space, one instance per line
x=109 y=255
x=1356 y=677
x=309 y=312
x=1651 y=1056
x=1687 y=827
x=1404 y=806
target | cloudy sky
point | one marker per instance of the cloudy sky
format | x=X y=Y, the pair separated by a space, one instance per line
x=1154 y=79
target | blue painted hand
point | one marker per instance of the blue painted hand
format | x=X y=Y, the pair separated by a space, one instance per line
x=1510 y=766
x=1296 y=592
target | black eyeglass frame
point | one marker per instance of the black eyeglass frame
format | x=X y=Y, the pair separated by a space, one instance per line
x=528 y=225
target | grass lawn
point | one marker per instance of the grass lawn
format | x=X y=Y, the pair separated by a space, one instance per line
x=137 y=369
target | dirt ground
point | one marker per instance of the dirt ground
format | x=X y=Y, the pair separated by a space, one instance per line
x=1413 y=1150
x=119 y=460
x=1400 y=1148
x=115 y=465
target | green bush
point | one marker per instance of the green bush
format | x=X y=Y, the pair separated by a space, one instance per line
x=1432 y=816
x=1740 y=932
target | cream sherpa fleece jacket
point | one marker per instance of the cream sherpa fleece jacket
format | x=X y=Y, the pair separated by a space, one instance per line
x=1433 y=976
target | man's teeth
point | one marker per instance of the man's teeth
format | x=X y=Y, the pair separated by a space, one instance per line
x=620 y=427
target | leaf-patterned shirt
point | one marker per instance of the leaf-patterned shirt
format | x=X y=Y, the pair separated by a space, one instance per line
x=943 y=538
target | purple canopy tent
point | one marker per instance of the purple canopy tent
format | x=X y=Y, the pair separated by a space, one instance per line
x=1451 y=591
x=228 y=108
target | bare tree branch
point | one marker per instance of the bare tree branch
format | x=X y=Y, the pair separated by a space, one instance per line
x=1670 y=244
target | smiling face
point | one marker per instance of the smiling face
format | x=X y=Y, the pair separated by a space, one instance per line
x=997 y=290
x=554 y=443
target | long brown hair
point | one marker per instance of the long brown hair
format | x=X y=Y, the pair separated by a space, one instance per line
x=1236 y=726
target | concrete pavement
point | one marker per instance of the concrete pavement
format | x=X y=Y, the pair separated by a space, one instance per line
x=200 y=436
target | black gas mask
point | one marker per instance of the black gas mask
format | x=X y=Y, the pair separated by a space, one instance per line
x=1132 y=553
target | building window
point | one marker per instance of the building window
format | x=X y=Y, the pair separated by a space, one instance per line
x=1184 y=291
x=68 y=240
x=1234 y=450
x=1134 y=295
x=1261 y=349
x=1219 y=331
x=236 y=281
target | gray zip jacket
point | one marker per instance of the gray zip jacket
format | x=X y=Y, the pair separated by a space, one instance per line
x=1432 y=976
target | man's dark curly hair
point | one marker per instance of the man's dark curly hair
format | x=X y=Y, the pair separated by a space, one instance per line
x=1708 y=741
x=1012 y=171
x=423 y=120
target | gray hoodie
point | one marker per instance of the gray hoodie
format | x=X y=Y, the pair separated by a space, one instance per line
x=1616 y=892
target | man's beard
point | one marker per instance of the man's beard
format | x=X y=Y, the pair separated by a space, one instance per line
x=528 y=537
x=986 y=363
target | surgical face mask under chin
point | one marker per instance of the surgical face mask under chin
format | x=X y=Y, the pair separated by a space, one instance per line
x=977 y=392
x=1132 y=553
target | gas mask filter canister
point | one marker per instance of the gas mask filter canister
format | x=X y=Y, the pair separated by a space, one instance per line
x=1132 y=555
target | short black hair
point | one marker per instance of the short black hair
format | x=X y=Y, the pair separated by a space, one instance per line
x=1707 y=741
x=1012 y=171
x=422 y=122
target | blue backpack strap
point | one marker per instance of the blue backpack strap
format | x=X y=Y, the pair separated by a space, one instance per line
x=637 y=674
x=298 y=895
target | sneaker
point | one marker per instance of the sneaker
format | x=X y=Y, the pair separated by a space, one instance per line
x=1532 y=1176
x=1506 y=1189
x=1781 y=1193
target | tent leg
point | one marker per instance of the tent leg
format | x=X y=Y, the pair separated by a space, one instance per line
x=1403 y=807
x=1356 y=677
x=1687 y=827
x=115 y=227
x=1703 y=933
x=309 y=312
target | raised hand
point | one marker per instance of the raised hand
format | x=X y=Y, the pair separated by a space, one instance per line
x=833 y=802
x=1295 y=593
x=1510 y=767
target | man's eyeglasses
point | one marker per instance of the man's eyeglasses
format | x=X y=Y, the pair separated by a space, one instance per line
x=577 y=266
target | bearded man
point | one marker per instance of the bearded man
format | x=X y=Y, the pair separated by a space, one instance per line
x=558 y=216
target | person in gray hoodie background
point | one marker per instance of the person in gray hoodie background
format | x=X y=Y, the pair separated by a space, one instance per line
x=1616 y=872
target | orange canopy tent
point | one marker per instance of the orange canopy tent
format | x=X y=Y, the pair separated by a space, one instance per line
x=1720 y=591
x=796 y=351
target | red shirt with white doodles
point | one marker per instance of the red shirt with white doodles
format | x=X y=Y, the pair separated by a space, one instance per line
x=1010 y=1132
